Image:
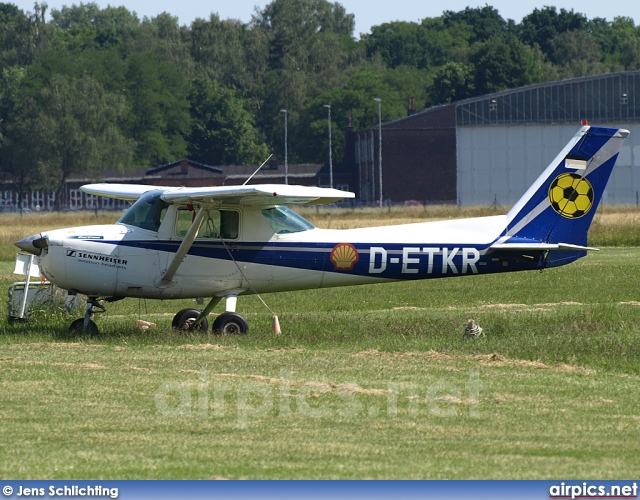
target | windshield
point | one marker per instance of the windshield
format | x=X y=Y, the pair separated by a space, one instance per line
x=146 y=213
x=284 y=220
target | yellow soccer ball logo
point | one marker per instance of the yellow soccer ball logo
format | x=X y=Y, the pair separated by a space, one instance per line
x=571 y=195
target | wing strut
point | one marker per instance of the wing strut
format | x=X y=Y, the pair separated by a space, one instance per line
x=188 y=240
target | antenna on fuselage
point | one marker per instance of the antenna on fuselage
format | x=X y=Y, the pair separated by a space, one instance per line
x=258 y=169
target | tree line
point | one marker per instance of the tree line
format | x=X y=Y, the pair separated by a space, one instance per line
x=94 y=89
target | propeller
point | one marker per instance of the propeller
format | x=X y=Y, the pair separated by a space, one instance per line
x=33 y=244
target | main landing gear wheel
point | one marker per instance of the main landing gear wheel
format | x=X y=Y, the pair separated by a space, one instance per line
x=230 y=323
x=185 y=319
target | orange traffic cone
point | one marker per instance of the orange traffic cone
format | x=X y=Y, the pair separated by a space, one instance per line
x=275 y=325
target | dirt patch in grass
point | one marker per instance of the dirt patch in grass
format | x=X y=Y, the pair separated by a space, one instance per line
x=194 y=347
x=409 y=308
x=320 y=386
x=528 y=307
x=515 y=306
x=203 y=347
x=84 y=366
x=484 y=359
x=495 y=358
x=285 y=349
x=65 y=345
x=92 y=366
x=457 y=401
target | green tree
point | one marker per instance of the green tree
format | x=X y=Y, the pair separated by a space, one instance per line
x=229 y=53
x=424 y=46
x=351 y=104
x=577 y=54
x=84 y=26
x=309 y=47
x=500 y=65
x=19 y=140
x=630 y=54
x=22 y=35
x=452 y=82
x=105 y=65
x=85 y=137
x=617 y=41
x=222 y=131
x=485 y=23
x=542 y=26
x=398 y=43
x=159 y=122
x=163 y=36
x=291 y=24
x=23 y=151
x=71 y=128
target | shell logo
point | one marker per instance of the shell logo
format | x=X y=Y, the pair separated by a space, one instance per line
x=344 y=256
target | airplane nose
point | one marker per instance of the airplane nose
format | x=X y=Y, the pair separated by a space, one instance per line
x=33 y=244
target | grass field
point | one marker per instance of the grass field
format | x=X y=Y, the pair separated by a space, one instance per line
x=364 y=382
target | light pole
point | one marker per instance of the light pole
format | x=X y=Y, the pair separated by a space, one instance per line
x=377 y=99
x=286 y=165
x=328 y=106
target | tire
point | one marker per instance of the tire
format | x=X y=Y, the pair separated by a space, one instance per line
x=77 y=327
x=185 y=318
x=230 y=323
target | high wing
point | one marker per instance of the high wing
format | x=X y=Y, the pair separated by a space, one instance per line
x=256 y=195
x=128 y=192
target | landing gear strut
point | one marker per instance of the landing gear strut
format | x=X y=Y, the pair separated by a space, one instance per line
x=86 y=324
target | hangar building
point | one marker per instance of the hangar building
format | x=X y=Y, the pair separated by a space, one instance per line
x=490 y=149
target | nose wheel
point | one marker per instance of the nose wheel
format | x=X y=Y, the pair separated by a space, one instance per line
x=86 y=325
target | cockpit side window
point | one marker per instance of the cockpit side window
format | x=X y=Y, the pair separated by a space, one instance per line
x=217 y=224
x=146 y=213
x=283 y=220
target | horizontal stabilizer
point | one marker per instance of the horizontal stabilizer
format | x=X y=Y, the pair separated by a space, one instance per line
x=539 y=246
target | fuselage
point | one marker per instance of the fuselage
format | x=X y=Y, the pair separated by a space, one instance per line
x=267 y=250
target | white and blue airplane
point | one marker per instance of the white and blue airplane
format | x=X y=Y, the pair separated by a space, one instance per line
x=223 y=242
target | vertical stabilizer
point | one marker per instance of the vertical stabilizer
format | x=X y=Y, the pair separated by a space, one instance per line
x=559 y=207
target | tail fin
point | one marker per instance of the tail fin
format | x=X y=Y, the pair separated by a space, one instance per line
x=557 y=210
